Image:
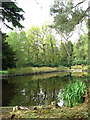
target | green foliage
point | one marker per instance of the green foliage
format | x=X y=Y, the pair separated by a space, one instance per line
x=12 y=13
x=73 y=93
x=36 y=47
x=16 y=41
x=80 y=51
x=82 y=67
x=4 y=72
x=66 y=50
x=66 y=15
x=8 y=55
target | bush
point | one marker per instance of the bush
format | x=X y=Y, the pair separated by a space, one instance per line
x=80 y=62
x=73 y=93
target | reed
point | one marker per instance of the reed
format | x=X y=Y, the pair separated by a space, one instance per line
x=73 y=93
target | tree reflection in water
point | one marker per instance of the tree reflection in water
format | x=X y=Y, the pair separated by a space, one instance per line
x=35 y=90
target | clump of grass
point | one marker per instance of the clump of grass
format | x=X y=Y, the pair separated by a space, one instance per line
x=4 y=72
x=73 y=93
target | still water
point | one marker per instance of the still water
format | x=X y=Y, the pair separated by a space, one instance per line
x=35 y=89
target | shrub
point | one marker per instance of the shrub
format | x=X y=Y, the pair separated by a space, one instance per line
x=73 y=93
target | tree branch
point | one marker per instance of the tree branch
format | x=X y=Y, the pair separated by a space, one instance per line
x=87 y=10
x=79 y=3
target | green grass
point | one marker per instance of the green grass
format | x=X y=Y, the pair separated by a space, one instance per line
x=27 y=70
x=4 y=72
x=83 y=67
x=73 y=93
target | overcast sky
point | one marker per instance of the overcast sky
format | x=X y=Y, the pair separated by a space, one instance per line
x=36 y=12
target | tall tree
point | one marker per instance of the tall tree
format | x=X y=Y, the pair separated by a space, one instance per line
x=33 y=37
x=80 y=52
x=17 y=42
x=66 y=16
x=11 y=13
x=8 y=55
x=64 y=58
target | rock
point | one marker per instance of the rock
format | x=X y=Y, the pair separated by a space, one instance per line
x=23 y=108
x=53 y=103
x=19 y=108
x=15 y=108
x=35 y=108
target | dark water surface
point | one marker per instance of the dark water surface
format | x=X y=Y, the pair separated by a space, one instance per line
x=35 y=89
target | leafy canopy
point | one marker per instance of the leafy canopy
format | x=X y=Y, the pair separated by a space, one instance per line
x=67 y=15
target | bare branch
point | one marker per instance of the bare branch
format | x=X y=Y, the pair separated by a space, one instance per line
x=79 y=3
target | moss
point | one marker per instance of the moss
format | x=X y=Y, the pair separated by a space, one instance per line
x=80 y=112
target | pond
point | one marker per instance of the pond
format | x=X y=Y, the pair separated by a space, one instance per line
x=36 y=89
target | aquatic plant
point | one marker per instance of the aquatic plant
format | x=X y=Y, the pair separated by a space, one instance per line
x=73 y=93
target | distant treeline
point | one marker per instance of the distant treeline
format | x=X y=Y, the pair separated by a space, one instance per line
x=39 y=47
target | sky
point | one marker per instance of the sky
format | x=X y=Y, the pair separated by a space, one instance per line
x=37 y=12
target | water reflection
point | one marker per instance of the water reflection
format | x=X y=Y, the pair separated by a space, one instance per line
x=35 y=90
x=59 y=98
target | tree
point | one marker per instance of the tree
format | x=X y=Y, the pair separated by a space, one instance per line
x=66 y=17
x=38 y=47
x=64 y=58
x=8 y=55
x=12 y=13
x=80 y=52
x=17 y=42
x=48 y=43
x=33 y=44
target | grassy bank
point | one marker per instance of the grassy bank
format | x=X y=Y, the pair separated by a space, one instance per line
x=35 y=70
x=4 y=72
x=49 y=111
x=82 y=67
x=32 y=70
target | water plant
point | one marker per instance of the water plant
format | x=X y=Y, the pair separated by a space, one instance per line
x=73 y=93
